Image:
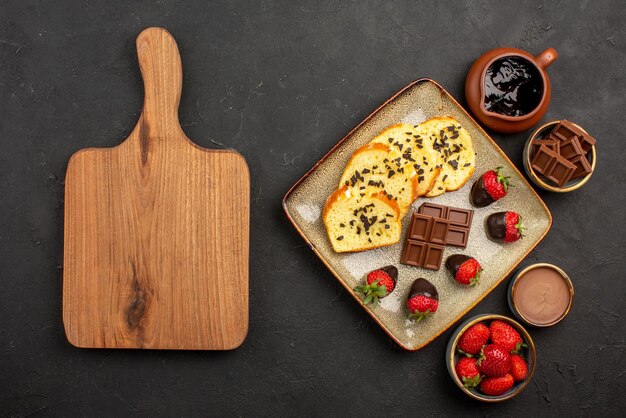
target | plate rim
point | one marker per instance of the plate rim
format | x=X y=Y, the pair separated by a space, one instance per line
x=338 y=277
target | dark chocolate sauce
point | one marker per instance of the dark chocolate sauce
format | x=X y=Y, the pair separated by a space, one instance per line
x=480 y=197
x=454 y=262
x=496 y=226
x=513 y=86
x=423 y=287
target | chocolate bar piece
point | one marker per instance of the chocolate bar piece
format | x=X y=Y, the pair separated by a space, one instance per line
x=582 y=167
x=433 y=256
x=420 y=227
x=553 y=144
x=566 y=130
x=561 y=171
x=460 y=221
x=587 y=142
x=425 y=241
x=413 y=253
x=460 y=217
x=543 y=160
x=436 y=211
x=570 y=149
x=439 y=231
x=428 y=229
x=458 y=236
x=432 y=228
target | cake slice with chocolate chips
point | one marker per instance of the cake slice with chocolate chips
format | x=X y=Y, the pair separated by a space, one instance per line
x=361 y=221
x=380 y=166
x=416 y=152
x=453 y=144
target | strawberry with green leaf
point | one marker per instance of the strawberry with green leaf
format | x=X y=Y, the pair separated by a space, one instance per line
x=380 y=283
x=465 y=269
x=467 y=370
x=423 y=300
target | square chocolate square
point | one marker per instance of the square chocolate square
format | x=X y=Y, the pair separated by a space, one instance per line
x=460 y=217
x=566 y=130
x=433 y=256
x=458 y=236
x=436 y=211
x=586 y=142
x=561 y=171
x=413 y=253
x=439 y=231
x=421 y=226
x=543 y=160
x=549 y=142
x=571 y=148
x=582 y=167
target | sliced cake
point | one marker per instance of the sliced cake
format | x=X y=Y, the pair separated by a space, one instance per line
x=416 y=152
x=356 y=222
x=380 y=166
x=453 y=145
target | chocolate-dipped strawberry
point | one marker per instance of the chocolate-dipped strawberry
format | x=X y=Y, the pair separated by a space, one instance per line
x=423 y=299
x=465 y=269
x=491 y=186
x=380 y=283
x=505 y=226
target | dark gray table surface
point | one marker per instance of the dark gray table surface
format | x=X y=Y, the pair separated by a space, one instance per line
x=282 y=82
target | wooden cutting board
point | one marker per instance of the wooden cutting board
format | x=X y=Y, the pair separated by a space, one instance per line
x=156 y=230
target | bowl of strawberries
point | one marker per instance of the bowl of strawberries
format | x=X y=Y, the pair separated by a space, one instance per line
x=491 y=357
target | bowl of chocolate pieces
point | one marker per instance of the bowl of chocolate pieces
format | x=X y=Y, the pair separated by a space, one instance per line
x=560 y=156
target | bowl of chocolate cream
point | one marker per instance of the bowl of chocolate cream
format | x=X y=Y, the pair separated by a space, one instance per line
x=541 y=294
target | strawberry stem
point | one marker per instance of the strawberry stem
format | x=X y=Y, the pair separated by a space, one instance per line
x=520 y=227
x=418 y=316
x=502 y=179
x=468 y=355
x=372 y=293
x=476 y=279
x=472 y=382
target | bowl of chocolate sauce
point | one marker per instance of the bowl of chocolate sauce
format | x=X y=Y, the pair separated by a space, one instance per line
x=508 y=89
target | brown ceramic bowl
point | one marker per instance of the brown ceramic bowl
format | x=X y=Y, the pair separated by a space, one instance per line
x=513 y=289
x=540 y=180
x=529 y=354
x=475 y=86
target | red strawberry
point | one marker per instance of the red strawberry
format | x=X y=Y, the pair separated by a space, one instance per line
x=421 y=307
x=468 y=372
x=491 y=186
x=519 y=368
x=494 y=361
x=506 y=336
x=466 y=270
x=505 y=226
x=380 y=283
x=473 y=339
x=495 y=386
x=423 y=300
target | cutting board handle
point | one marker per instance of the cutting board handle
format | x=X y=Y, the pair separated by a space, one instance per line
x=161 y=70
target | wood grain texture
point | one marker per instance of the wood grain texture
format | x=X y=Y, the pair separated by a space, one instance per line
x=156 y=230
